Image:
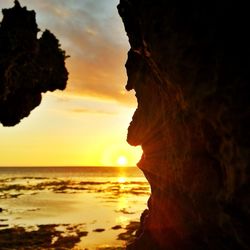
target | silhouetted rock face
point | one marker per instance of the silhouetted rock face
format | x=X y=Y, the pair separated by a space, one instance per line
x=28 y=66
x=189 y=64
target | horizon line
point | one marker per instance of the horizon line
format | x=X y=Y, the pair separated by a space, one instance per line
x=68 y=166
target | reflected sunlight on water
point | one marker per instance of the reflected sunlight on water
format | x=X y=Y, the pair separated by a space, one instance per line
x=122 y=203
x=122 y=179
x=74 y=202
x=122 y=220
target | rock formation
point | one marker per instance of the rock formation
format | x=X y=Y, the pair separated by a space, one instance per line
x=28 y=65
x=189 y=64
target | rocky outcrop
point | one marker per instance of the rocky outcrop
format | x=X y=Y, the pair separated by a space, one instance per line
x=28 y=65
x=189 y=64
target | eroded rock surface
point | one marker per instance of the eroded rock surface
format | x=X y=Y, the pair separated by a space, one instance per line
x=189 y=64
x=28 y=65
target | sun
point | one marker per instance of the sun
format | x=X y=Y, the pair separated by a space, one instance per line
x=122 y=161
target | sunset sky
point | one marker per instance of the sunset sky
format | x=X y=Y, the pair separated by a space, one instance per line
x=85 y=125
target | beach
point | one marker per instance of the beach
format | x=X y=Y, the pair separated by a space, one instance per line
x=70 y=208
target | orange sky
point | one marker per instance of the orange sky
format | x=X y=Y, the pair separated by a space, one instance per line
x=85 y=125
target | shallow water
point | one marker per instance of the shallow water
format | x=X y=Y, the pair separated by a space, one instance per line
x=99 y=202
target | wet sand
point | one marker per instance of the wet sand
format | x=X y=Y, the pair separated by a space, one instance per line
x=64 y=236
x=68 y=213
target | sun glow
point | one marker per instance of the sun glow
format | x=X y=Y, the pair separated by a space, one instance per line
x=122 y=161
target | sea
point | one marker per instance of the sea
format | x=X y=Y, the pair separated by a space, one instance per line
x=89 y=208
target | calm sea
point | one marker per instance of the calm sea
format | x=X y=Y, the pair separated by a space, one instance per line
x=97 y=172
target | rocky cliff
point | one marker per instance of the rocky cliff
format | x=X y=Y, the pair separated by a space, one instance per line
x=28 y=65
x=189 y=64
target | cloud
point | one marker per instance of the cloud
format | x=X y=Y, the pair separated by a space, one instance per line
x=94 y=37
x=91 y=111
x=74 y=104
x=98 y=56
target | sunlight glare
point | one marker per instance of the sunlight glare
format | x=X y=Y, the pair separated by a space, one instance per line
x=121 y=179
x=122 y=161
x=123 y=220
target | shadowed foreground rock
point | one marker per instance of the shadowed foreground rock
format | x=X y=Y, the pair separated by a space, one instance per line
x=28 y=66
x=189 y=64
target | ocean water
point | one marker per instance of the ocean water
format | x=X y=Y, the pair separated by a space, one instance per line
x=70 y=207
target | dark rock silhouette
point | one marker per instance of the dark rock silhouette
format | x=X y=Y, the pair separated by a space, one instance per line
x=189 y=64
x=28 y=65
